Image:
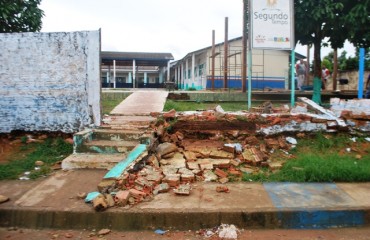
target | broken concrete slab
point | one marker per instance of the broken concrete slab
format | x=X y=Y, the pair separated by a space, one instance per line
x=190 y=155
x=105 y=184
x=166 y=148
x=193 y=165
x=209 y=176
x=177 y=161
x=161 y=188
x=326 y=112
x=173 y=180
x=183 y=189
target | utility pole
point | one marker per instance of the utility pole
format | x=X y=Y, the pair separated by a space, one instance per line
x=226 y=51
x=244 y=50
x=213 y=59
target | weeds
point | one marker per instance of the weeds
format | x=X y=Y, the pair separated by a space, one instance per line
x=320 y=159
x=109 y=104
x=50 y=151
x=193 y=106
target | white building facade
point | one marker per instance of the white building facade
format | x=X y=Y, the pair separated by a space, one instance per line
x=270 y=68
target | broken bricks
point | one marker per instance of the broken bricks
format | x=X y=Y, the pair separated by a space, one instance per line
x=182 y=158
x=222 y=189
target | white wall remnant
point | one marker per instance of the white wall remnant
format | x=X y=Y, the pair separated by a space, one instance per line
x=49 y=81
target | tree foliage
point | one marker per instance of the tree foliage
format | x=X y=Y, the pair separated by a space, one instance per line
x=336 y=20
x=347 y=63
x=20 y=16
x=312 y=20
x=357 y=19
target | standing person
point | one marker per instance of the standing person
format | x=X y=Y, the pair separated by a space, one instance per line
x=301 y=70
x=367 y=95
x=324 y=76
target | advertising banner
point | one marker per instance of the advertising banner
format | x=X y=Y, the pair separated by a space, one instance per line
x=272 y=24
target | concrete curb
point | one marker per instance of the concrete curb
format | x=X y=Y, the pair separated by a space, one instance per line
x=184 y=220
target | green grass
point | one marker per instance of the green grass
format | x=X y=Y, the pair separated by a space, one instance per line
x=194 y=106
x=109 y=104
x=50 y=151
x=320 y=160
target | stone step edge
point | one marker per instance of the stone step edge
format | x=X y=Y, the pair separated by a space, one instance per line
x=92 y=161
x=170 y=219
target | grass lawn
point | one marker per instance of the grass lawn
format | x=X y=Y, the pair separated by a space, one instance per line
x=193 y=106
x=323 y=159
x=50 y=151
x=109 y=104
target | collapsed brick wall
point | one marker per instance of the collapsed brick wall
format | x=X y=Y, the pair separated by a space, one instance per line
x=49 y=81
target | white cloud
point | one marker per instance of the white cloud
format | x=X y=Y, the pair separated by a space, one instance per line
x=172 y=26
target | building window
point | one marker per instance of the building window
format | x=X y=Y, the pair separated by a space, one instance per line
x=120 y=79
x=189 y=74
x=104 y=79
x=195 y=71
x=201 y=69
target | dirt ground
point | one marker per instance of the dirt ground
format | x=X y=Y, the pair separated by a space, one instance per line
x=11 y=143
x=330 y=234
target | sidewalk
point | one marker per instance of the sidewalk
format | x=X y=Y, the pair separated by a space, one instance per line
x=141 y=103
x=52 y=203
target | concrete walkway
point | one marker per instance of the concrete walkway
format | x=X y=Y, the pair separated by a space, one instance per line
x=141 y=103
x=52 y=203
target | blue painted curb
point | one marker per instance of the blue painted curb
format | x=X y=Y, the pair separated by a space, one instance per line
x=313 y=206
x=321 y=219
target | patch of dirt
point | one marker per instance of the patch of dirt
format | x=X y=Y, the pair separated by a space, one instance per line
x=283 y=234
x=9 y=148
x=11 y=143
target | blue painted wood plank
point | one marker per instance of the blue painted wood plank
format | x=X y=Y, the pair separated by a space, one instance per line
x=91 y=196
x=117 y=170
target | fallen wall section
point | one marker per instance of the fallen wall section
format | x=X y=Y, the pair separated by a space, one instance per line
x=49 y=81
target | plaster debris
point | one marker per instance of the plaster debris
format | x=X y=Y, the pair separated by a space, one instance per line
x=228 y=231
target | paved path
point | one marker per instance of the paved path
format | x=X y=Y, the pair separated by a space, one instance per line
x=247 y=205
x=141 y=103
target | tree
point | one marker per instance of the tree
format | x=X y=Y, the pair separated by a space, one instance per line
x=338 y=20
x=357 y=19
x=350 y=23
x=311 y=24
x=20 y=16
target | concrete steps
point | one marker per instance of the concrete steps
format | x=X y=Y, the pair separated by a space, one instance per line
x=126 y=127
x=119 y=134
x=92 y=161
x=104 y=147
x=127 y=122
x=107 y=146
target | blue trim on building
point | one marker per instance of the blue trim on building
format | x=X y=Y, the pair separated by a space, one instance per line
x=257 y=83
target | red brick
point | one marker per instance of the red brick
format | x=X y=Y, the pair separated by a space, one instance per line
x=122 y=197
x=220 y=173
x=137 y=194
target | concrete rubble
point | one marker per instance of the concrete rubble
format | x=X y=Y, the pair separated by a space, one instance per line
x=222 y=147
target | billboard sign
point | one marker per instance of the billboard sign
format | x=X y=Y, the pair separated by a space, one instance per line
x=272 y=24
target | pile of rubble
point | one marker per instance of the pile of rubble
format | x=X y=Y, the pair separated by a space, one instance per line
x=214 y=146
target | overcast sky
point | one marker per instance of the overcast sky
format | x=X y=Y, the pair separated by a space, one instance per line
x=174 y=26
